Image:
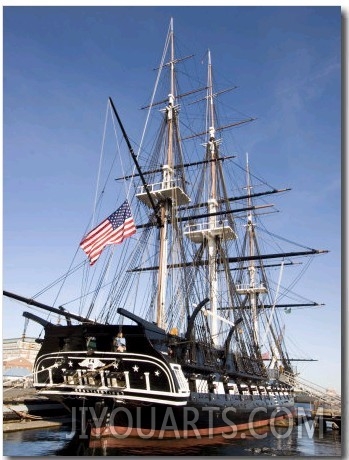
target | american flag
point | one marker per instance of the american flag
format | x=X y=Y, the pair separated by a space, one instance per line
x=113 y=230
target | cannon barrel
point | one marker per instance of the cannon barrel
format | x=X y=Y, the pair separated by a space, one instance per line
x=58 y=311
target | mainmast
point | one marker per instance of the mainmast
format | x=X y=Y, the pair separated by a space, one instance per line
x=212 y=147
x=168 y=194
x=251 y=268
x=214 y=231
x=167 y=179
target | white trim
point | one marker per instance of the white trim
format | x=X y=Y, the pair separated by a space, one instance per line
x=109 y=356
x=122 y=397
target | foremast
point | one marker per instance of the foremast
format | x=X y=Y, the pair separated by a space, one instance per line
x=167 y=179
x=168 y=194
x=214 y=231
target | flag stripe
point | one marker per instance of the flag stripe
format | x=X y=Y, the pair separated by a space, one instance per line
x=94 y=233
x=96 y=251
x=113 y=230
x=98 y=238
x=111 y=238
x=109 y=235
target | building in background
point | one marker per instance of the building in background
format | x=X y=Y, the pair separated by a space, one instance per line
x=18 y=356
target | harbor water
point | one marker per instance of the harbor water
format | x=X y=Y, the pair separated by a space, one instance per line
x=301 y=440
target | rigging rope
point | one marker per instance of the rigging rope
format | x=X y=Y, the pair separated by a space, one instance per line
x=274 y=304
x=100 y=166
x=284 y=239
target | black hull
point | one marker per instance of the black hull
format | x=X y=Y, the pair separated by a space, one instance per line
x=145 y=391
x=98 y=417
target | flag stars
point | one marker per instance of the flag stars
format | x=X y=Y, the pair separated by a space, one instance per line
x=135 y=368
x=157 y=373
x=70 y=364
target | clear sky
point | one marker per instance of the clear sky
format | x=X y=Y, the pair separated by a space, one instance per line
x=62 y=63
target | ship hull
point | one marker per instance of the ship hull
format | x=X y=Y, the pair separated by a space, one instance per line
x=192 y=421
x=148 y=393
x=100 y=417
x=103 y=418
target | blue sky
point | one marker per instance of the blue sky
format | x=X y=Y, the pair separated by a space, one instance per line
x=62 y=63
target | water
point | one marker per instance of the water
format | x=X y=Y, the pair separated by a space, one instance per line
x=296 y=441
x=34 y=443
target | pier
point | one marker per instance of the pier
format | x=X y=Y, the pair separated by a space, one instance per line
x=23 y=409
x=325 y=414
x=326 y=404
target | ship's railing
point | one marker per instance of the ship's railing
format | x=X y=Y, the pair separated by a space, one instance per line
x=309 y=388
x=205 y=226
x=112 y=371
x=159 y=186
x=198 y=231
x=167 y=189
x=247 y=288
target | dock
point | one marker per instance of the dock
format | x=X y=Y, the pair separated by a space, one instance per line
x=13 y=426
x=327 y=414
x=326 y=404
x=23 y=409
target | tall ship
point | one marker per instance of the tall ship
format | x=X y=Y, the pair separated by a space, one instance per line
x=178 y=329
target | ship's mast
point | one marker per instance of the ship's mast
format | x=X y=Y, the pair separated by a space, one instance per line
x=167 y=182
x=212 y=232
x=212 y=206
x=252 y=288
x=168 y=194
x=251 y=268
x=167 y=179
